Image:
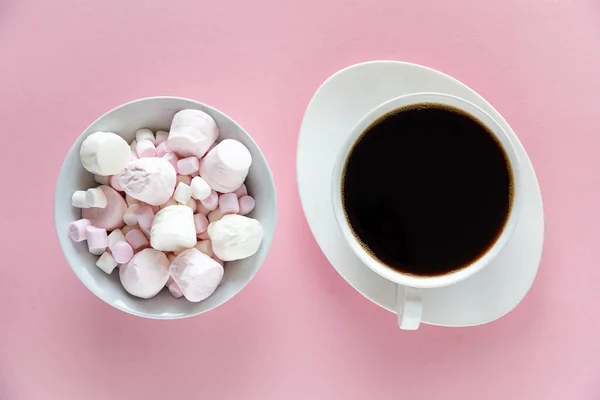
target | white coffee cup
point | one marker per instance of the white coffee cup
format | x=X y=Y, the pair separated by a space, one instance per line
x=410 y=303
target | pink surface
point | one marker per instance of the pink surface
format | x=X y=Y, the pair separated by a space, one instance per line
x=298 y=331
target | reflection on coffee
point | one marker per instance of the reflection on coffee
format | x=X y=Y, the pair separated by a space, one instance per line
x=427 y=189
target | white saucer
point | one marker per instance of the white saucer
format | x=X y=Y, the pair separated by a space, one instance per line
x=336 y=107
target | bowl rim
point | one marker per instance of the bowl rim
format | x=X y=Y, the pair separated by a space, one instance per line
x=267 y=239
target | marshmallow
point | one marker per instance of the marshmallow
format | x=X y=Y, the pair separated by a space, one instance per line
x=235 y=237
x=201 y=223
x=200 y=209
x=77 y=229
x=196 y=274
x=212 y=201
x=97 y=240
x=192 y=204
x=241 y=191
x=173 y=229
x=146 y=274
x=183 y=193
x=115 y=237
x=79 y=199
x=114 y=183
x=103 y=180
x=104 y=153
x=111 y=216
x=130 y=200
x=145 y=148
x=132 y=147
x=151 y=180
x=95 y=198
x=170 y=202
x=106 y=262
x=246 y=204
x=172 y=159
x=192 y=133
x=185 y=179
x=128 y=228
x=162 y=149
x=215 y=215
x=175 y=291
x=144 y=134
x=122 y=252
x=145 y=216
x=226 y=166
x=205 y=246
x=228 y=203
x=161 y=137
x=130 y=217
x=203 y=235
x=188 y=165
x=200 y=189
x=136 y=239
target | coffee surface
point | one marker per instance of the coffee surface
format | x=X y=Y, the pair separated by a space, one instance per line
x=427 y=189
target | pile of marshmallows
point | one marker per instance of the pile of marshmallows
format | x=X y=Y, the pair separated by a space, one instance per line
x=169 y=209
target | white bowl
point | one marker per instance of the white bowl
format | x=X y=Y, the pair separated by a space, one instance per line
x=156 y=113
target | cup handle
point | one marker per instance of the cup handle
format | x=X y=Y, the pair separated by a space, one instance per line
x=410 y=308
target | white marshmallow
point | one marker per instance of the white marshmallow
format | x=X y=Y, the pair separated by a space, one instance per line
x=131 y=215
x=151 y=180
x=106 y=262
x=200 y=189
x=161 y=136
x=146 y=274
x=103 y=180
x=95 y=197
x=114 y=237
x=226 y=166
x=196 y=274
x=79 y=199
x=192 y=133
x=235 y=237
x=173 y=229
x=104 y=153
x=144 y=134
x=183 y=193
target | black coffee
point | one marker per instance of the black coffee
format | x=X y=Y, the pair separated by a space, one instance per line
x=427 y=189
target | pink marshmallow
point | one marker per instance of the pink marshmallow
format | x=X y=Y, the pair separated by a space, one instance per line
x=136 y=239
x=97 y=240
x=172 y=158
x=228 y=203
x=188 y=165
x=145 y=148
x=247 y=204
x=131 y=215
x=175 y=291
x=162 y=149
x=111 y=216
x=114 y=183
x=77 y=229
x=203 y=236
x=201 y=223
x=212 y=201
x=241 y=191
x=145 y=216
x=122 y=252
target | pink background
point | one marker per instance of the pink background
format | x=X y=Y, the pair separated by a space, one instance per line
x=298 y=331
